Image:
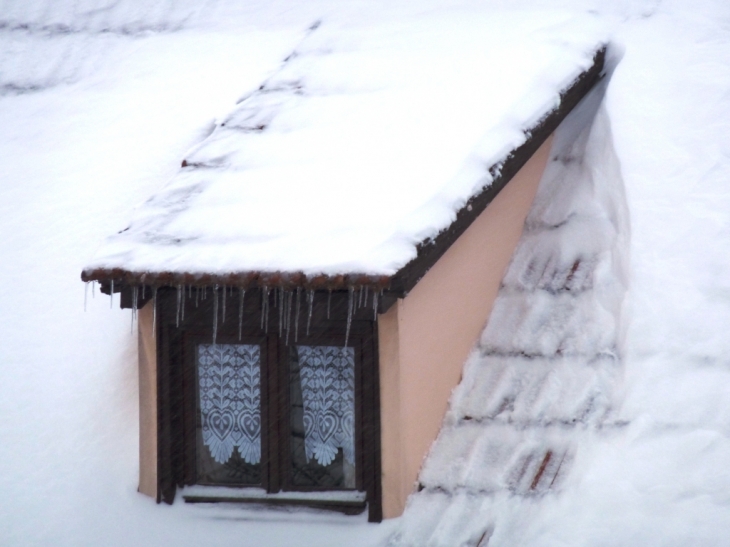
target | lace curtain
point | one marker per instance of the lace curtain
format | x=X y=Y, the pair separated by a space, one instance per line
x=229 y=379
x=328 y=394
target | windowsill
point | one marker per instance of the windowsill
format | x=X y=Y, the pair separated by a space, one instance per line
x=344 y=501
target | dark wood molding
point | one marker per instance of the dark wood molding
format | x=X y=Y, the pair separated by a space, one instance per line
x=166 y=479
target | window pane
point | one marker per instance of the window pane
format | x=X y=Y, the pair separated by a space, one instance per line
x=229 y=401
x=322 y=391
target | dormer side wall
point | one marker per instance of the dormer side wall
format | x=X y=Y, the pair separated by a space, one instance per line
x=425 y=338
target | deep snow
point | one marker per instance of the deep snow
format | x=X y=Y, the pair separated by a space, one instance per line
x=91 y=93
x=362 y=144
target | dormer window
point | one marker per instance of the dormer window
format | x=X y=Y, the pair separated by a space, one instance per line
x=271 y=402
x=320 y=279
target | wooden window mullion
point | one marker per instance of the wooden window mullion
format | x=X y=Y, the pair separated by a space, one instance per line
x=283 y=447
x=370 y=425
x=359 y=413
x=273 y=409
x=190 y=409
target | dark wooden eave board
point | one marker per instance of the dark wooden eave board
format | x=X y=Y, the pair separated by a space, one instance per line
x=121 y=277
x=428 y=252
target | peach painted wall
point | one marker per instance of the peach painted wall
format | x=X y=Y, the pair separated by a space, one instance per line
x=147 y=403
x=426 y=337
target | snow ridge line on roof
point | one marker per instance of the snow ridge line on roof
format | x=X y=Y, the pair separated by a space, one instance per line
x=428 y=251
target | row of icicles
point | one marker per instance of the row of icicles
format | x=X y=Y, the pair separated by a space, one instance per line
x=287 y=300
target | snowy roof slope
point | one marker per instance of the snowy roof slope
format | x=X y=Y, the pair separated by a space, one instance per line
x=365 y=143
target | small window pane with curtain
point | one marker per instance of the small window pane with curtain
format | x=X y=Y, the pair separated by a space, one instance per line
x=229 y=403
x=322 y=416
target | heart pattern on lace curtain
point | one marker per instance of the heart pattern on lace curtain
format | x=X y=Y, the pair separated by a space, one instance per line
x=328 y=394
x=229 y=381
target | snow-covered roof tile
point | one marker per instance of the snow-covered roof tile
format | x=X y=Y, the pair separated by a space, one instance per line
x=363 y=157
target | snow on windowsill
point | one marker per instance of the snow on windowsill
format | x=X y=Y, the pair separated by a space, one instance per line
x=200 y=491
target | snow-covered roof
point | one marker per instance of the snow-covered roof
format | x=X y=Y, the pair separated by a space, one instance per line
x=366 y=143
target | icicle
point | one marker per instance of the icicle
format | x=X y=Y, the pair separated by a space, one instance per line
x=288 y=316
x=154 y=310
x=197 y=296
x=224 y=304
x=350 y=305
x=309 y=312
x=359 y=297
x=287 y=311
x=329 y=301
x=375 y=306
x=179 y=302
x=183 y=305
x=265 y=309
x=266 y=319
x=143 y=288
x=296 y=317
x=242 y=295
x=86 y=293
x=111 y=295
x=215 y=313
x=135 y=300
x=275 y=293
x=262 y=308
x=281 y=311
x=93 y=289
x=365 y=299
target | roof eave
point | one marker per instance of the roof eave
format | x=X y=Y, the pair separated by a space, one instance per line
x=428 y=252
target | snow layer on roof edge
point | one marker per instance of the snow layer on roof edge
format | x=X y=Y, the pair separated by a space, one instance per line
x=364 y=143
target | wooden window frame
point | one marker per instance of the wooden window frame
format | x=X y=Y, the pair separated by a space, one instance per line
x=177 y=395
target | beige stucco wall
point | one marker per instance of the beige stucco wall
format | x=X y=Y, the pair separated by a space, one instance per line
x=426 y=337
x=147 y=403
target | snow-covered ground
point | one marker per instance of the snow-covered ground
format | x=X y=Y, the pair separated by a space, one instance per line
x=100 y=101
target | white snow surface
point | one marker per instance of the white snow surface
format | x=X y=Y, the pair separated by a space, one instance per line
x=364 y=142
x=101 y=100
